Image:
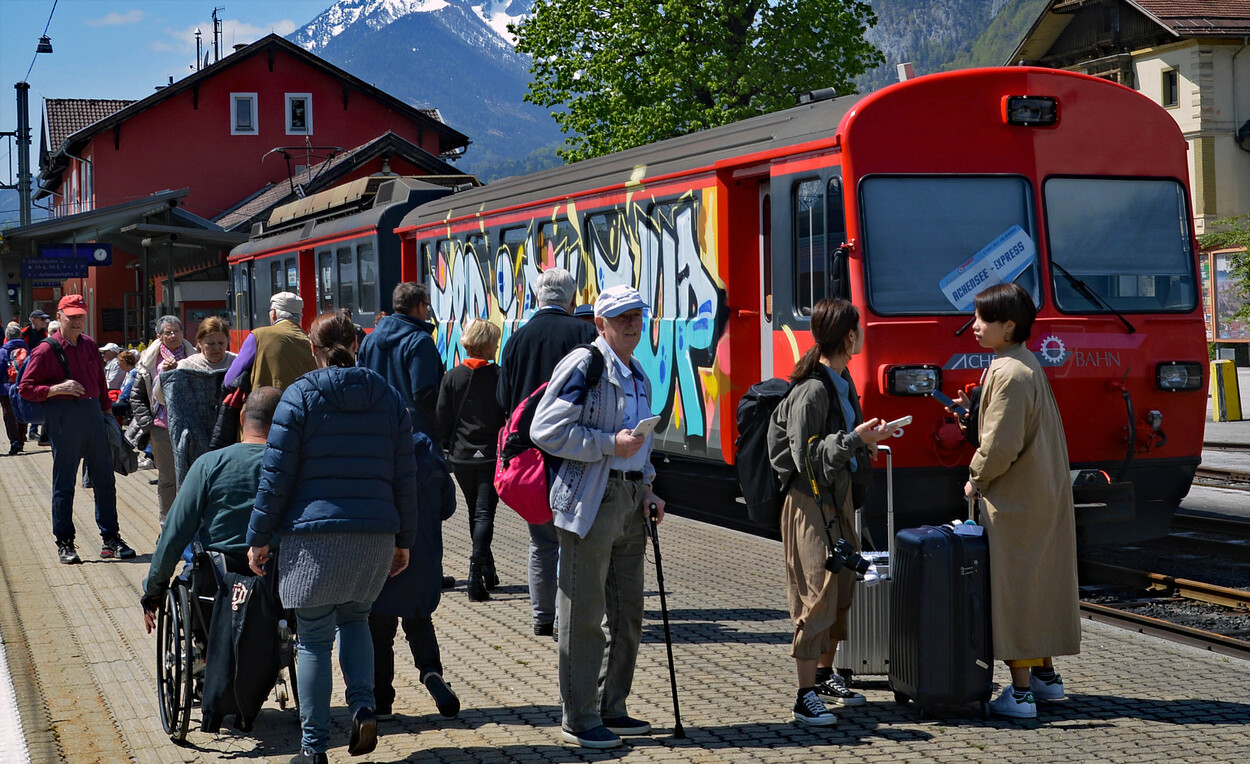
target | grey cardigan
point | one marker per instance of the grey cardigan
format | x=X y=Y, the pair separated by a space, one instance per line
x=805 y=412
x=579 y=425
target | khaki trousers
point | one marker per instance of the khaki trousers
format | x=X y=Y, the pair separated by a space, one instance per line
x=819 y=600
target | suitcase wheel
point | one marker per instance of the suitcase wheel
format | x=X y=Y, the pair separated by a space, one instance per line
x=900 y=698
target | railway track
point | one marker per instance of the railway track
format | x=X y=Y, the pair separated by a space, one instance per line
x=1222 y=478
x=1159 y=587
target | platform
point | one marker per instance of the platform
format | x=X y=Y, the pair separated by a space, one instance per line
x=84 y=672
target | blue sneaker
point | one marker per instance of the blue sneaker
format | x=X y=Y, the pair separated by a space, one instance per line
x=596 y=737
x=626 y=725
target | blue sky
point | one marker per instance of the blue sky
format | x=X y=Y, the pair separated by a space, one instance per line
x=119 y=49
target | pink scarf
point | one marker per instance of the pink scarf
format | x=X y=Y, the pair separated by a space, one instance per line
x=158 y=413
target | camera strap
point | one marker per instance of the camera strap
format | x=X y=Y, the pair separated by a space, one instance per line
x=820 y=502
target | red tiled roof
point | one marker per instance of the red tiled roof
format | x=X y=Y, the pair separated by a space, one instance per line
x=65 y=116
x=1201 y=18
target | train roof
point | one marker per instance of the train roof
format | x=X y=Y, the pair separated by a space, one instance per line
x=703 y=149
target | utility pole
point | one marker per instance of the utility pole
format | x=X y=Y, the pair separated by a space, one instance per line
x=217 y=34
x=23 y=151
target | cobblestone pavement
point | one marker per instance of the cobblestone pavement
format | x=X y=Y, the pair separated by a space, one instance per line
x=84 y=669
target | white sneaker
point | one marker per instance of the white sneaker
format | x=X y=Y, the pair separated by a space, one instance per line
x=146 y=463
x=1007 y=705
x=1046 y=689
x=811 y=710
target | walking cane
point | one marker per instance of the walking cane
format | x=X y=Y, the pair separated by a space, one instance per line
x=652 y=531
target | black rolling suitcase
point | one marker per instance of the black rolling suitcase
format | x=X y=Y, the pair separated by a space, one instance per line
x=940 y=648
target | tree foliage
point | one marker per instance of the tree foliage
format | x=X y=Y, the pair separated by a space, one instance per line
x=1228 y=234
x=622 y=73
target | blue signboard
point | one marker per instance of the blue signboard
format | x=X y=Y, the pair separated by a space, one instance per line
x=95 y=253
x=54 y=269
x=999 y=262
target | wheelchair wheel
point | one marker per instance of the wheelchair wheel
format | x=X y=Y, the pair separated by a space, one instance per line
x=287 y=688
x=174 y=656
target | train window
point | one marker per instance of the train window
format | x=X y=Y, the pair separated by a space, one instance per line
x=559 y=245
x=259 y=282
x=1123 y=243
x=604 y=236
x=325 y=280
x=478 y=250
x=766 y=252
x=347 y=278
x=242 y=308
x=292 y=275
x=836 y=216
x=368 y=278
x=277 y=277
x=427 y=263
x=811 y=257
x=917 y=229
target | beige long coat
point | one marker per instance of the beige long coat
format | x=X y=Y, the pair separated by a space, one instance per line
x=1022 y=470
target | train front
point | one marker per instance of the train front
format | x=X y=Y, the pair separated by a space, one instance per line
x=1076 y=189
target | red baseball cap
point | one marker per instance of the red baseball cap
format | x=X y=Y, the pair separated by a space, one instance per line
x=73 y=305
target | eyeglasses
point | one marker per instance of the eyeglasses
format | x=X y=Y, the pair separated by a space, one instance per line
x=170 y=332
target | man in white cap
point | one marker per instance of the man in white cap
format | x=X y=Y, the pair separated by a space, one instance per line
x=113 y=374
x=277 y=355
x=599 y=496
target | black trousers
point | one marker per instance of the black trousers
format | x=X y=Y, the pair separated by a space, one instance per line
x=477 y=482
x=419 y=631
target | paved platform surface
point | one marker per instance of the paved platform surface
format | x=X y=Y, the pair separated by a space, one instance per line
x=84 y=671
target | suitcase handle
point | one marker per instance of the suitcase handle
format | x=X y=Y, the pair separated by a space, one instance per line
x=889 y=510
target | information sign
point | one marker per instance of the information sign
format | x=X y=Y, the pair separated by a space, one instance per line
x=999 y=262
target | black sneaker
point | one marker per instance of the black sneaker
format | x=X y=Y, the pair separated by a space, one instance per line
x=306 y=756
x=834 y=690
x=115 y=547
x=449 y=582
x=67 y=554
x=446 y=700
x=364 y=732
x=627 y=725
x=16 y=448
x=810 y=710
x=544 y=629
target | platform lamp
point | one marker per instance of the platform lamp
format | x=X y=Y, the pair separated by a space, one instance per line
x=45 y=45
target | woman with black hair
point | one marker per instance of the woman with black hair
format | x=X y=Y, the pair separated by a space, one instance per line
x=1021 y=470
x=820 y=420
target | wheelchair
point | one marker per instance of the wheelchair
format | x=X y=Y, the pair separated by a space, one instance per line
x=182 y=628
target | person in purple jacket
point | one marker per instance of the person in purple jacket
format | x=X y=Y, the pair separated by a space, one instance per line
x=75 y=406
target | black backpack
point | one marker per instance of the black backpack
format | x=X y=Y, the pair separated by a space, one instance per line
x=761 y=485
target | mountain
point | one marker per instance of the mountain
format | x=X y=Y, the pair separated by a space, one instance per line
x=939 y=35
x=452 y=55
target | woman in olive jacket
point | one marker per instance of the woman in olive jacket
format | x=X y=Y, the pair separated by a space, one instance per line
x=469 y=419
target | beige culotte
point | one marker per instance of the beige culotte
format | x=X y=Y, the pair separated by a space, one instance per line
x=819 y=600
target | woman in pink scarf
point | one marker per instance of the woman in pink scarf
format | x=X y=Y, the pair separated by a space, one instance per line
x=163 y=355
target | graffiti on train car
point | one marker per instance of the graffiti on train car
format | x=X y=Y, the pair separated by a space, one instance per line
x=661 y=248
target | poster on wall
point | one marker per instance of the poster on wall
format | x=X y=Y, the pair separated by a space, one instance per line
x=1227 y=303
x=1205 y=267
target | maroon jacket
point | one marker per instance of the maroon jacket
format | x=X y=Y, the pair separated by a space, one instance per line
x=85 y=367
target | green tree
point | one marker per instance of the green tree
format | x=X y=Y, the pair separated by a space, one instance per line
x=623 y=73
x=1234 y=232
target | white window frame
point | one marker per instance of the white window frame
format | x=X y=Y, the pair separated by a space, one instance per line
x=234 y=126
x=308 y=114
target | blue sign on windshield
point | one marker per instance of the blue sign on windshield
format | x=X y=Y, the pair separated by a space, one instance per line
x=999 y=262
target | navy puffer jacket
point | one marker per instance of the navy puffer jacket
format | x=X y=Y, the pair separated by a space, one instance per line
x=339 y=459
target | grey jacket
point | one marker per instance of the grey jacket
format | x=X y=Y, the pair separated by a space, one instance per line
x=579 y=425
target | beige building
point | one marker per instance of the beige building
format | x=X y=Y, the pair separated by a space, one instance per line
x=1190 y=56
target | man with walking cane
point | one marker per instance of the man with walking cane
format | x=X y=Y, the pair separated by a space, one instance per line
x=598 y=497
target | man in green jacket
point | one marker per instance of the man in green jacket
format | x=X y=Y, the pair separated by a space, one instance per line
x=215 y=500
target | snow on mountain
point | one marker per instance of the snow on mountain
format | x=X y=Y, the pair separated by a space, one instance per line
x=377 y=14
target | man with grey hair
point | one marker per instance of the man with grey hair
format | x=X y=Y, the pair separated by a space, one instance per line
x=529 y=357
x=276 y=355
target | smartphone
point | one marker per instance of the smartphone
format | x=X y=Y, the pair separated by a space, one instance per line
x=945 y=400
x=897 y=424
x=646 y=426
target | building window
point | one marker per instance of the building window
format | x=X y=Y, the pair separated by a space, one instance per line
x=299 y=114
x=243 y=117
x=1171 y=88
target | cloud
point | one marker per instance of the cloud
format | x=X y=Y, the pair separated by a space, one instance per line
x=115 y=19
x=232 y=32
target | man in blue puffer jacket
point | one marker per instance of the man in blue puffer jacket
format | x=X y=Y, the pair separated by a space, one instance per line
x=401 y=349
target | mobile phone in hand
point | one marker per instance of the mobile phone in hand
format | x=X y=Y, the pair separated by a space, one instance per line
x=897 y=424
x=946 y=401
x=645 y=427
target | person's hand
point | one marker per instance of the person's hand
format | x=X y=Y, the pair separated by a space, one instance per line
x=650 y=500
x=169 y=364
x=71 y=388
x=399 y=561
x=872 y=451
x=627 y=443
x=150 y=603
x=963 y=400
x=970 y=490
x=873 y=431
x=257 y=556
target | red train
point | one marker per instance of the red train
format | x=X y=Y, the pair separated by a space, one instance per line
x=900 y=200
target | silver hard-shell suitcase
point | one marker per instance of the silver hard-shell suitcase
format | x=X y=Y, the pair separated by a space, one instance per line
x=866 y=648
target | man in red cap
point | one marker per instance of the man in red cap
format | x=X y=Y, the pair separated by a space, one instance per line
x=65 y=373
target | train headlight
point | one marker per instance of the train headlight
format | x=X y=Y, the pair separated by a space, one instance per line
x=1030 y=111
x=913 y=380
x=1179 y=375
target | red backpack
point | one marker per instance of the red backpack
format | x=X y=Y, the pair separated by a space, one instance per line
x=522 y=469
x=17 y=357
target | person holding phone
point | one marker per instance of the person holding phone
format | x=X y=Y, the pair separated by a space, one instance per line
x=598 y=497
x=820 y=420
x=1021 y=471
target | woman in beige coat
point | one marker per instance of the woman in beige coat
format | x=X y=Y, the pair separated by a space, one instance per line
x=1021 y=470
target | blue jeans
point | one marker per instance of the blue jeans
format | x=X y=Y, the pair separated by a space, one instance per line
x=316 y=629
x=76 y=427
x=544 y=559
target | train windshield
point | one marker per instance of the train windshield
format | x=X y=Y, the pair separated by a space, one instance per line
x=1124 y=244
x=918 y=229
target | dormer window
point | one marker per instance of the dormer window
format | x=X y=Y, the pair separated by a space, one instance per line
x=299 y=114
x=243 y=117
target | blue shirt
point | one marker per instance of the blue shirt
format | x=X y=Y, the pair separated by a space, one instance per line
x=637 y=408
x=844 y=398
